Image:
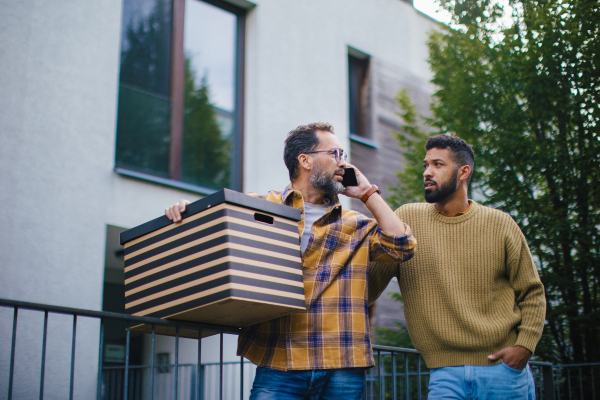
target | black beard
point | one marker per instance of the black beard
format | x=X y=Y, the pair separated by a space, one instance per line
x=325 y=184
x=441 y=193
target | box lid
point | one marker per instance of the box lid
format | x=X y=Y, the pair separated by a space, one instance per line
x=222 y=196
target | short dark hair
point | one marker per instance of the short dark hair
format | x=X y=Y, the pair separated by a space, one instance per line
x=300 y=140
x=461 y=152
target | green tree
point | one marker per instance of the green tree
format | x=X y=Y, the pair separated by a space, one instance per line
x=525 y=93
x=412 y=140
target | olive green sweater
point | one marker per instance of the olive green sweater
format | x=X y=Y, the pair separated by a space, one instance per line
x=470 y=290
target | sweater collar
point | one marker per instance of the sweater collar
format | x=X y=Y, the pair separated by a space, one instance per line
x=461 y=217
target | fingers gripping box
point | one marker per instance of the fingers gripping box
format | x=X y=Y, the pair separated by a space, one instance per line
x=233 y=260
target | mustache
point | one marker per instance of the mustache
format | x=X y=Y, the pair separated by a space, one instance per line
x=339 y=171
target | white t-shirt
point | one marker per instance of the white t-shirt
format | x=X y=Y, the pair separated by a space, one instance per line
x=312 y=212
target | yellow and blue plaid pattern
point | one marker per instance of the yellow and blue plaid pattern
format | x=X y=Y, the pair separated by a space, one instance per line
x=333 y=332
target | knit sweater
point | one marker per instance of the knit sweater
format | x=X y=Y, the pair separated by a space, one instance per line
x=471 y=289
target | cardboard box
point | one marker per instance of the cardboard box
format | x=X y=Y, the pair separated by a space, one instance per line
x=233 y=260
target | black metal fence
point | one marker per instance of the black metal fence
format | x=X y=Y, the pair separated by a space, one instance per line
x=399 y=373
x=576 y=381
x=164 y=381
x=402 y=374
x=125 y=386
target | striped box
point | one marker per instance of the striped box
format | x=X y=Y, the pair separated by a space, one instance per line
x=233 y=260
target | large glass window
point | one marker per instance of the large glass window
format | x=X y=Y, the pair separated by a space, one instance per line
x=179 y=94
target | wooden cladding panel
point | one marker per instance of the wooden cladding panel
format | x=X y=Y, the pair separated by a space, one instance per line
x=381 y=164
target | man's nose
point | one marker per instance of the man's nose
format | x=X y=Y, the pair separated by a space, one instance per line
x=427 y=173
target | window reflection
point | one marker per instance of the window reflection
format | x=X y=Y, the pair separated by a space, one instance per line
x=209 y=48
x=143 y=125
x=202 y=149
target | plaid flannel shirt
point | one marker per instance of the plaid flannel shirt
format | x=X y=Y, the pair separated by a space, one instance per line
x=333 y=332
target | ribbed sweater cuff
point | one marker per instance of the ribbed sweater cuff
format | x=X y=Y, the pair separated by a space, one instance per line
x=527 y=341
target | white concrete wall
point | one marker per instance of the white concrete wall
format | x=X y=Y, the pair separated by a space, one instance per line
x=59 y=65
x=59 y=72
x=296 y=69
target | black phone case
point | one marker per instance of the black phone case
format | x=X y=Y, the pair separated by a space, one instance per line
x=349 y=177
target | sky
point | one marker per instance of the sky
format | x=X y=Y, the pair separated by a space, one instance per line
x=431 y=7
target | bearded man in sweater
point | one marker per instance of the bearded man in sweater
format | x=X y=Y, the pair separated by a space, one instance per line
x=473 y=300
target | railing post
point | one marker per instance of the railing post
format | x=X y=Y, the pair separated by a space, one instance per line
x=100 y=355
x=569 y=382
x=394 y=376
x=419 y=376
x=152 y=345
x=43 y=369
x=199 y=396
x=241 y=377
x=12 y=354
x=379 y=377
x=126 y=377
x=548 y=377
x=221 y=367
x=406 y=378
x=74 y=340
x=176 y=361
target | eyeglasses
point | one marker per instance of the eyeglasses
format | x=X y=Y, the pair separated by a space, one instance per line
x=337 y=153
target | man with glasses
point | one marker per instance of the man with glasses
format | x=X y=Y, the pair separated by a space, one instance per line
x=323 y=352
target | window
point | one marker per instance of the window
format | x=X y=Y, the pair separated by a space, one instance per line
x=358 y=76
x=179 y=112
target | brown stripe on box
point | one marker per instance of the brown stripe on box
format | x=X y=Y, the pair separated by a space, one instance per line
x=166 y=279
x=155 y=292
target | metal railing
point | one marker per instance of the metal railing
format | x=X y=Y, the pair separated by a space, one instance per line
x=139 y=377
x=399 y=373
x=576 y=381
x=103 y=316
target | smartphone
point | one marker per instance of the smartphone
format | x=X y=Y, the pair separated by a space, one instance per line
x=349 y=177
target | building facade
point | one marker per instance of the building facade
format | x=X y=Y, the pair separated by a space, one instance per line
x=112 y=110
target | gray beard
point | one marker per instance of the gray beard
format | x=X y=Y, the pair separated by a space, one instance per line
x=325 y=184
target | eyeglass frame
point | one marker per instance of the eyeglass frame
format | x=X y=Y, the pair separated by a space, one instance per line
x=337 y=153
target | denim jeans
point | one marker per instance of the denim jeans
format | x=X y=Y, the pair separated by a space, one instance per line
x=327 y=384
x=497 y=382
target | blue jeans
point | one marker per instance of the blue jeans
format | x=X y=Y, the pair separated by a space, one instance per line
x=326 y=384
x=497 y=382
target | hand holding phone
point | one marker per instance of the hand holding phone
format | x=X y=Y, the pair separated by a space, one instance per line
x=349 y=178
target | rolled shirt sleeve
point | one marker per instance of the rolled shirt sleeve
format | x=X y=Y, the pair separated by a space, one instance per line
x=388 y=248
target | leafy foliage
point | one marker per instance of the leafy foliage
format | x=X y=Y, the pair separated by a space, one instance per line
x=524 y=91
x=410 y=180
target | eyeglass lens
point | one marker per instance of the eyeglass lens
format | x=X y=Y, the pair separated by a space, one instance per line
x=339 y=154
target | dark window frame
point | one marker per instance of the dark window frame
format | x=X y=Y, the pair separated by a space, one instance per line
x=358 y=94
x=176 y=94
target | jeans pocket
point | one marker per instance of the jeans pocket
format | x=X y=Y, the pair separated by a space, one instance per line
x=513 y=369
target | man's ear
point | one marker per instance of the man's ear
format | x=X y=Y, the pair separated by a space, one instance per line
x=464 y=172
x=305 y=161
